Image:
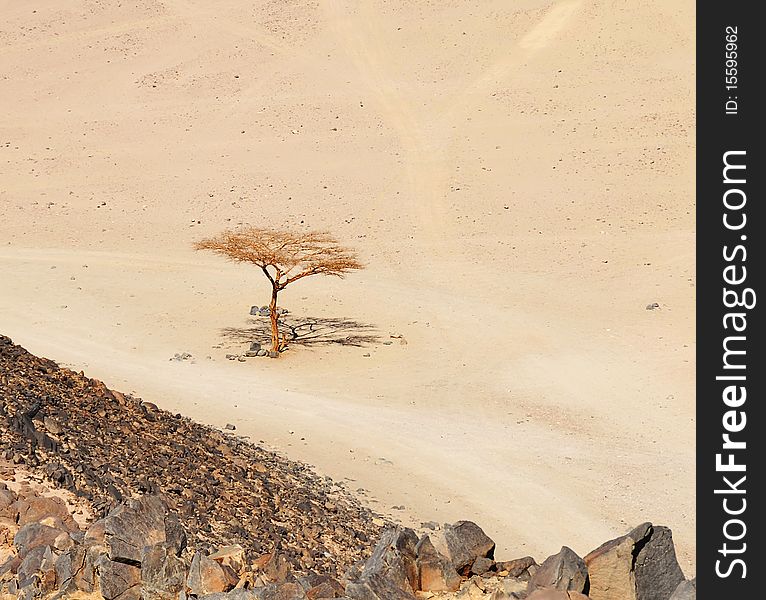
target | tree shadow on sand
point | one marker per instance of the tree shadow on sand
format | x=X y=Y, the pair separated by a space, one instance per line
x=307 y=331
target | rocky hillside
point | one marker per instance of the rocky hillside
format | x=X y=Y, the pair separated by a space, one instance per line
x=105 y=496
x=104 y=447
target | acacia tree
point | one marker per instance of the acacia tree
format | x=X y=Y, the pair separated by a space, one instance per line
x=284 y=257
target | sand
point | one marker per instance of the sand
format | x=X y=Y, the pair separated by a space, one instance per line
x=517 y=176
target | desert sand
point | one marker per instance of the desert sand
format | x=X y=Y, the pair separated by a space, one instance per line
x=517 y=176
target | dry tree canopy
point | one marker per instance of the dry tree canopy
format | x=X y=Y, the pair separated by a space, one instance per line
x=284 y=256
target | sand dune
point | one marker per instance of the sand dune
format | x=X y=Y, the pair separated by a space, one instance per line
x=518 y=178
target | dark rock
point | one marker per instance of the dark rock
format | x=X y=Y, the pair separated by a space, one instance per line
x=163 y=574
x=465 y=542
x=391 y=572
x=564 y=571
x=481 y=566
x=686 y=590
x=225 y=489
x=255 y=346
x=137 y=524
x=658 y=573
x=118 y=580
x=254 y=310
x=638 y=566
x=75 y=570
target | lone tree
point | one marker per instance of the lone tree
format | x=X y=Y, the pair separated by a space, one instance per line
x=284 y=257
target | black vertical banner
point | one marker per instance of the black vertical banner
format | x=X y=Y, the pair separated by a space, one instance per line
x=730 y=268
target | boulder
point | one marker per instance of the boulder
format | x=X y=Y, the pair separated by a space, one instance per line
x=391 y=573
x=53 y=511
x=140 y=523
x=564 y=571
x=686 y=590
x=118 y=580
x=163 y=574
x=657 y=570
x=641 y=565
x=435 y=571
x=207 y=577
x=32 y=535
x=463 y=543
x=75 y=570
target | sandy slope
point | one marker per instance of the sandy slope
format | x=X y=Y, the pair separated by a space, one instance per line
x=517 y=175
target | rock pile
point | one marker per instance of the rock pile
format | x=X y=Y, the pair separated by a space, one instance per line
x=182 y=511
x=139 y=551
x=105 y=447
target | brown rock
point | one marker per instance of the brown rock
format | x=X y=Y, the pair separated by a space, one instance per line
x=32 y=535
x=207 y=576
x=230 y=556
x=36 y=509
x=435 y=572
x=564 y=571
x=641 y=565
x=518 y=567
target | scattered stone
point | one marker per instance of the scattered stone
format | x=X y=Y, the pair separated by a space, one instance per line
x=230 y=427
x=652 y=306
x=255 y=346
x=564 y=571
x=517 y=568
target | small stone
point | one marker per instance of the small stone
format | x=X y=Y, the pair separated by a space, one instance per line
x=230 y=427
x=653 y=306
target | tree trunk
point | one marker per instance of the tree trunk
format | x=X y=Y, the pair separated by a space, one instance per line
x=274 y=322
